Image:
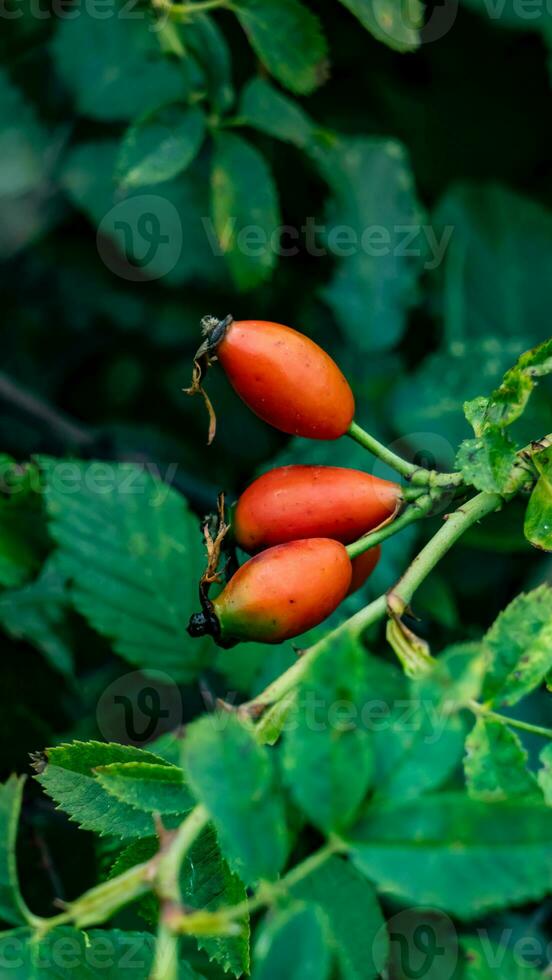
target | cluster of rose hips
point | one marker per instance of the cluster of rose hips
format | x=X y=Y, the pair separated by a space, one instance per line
x=295 y=520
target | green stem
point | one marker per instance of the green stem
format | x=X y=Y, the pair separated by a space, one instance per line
x=100 y=903
x=166 y=962
x=170 y=863
x=378 y=449
x=412 y=513
x=456 y=524
x=524 y=726
x=287 y=681
x=417 y=475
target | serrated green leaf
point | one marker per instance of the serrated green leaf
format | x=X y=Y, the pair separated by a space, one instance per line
x=293 y=944
x=114 y=66
x=268 y=110
x=37 y=613
x=355 y=921
x=233 y=776
x=483 y=959
x=374 y=198
x=132 y=550
x=68 y=776
x=288 y=39
x=328 y=755
x=486 y=462
x=496 y=764
x=65 y=953
x=138 y=852
x=461 y=855
x=206 y=882
x=12 y=907
x=538 y=516
x=244 y=203
x=396 y=24
x=545 y=774
x=160 y=145
x=146 y=786
x=519 y=647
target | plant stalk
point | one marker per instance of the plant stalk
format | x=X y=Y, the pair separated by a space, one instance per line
x=524 y=726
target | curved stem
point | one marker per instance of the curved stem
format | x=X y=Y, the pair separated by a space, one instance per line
x=456 y=524
x=287 y=681
x=524 y=726
x=418 y=475
x=378 y=449
x=412 y=513
x=170 y=862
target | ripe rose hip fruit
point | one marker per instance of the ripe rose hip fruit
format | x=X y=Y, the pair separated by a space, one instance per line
x=280 y=593
x=363 y=566
x=312 y=501
x=282 y=376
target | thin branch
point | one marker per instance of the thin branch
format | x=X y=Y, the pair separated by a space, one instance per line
x=68 y=431
x=525 y=726
x=413 y=513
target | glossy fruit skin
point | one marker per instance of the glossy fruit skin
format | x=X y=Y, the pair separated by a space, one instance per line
x=363 y=566
x=286 y=379
x=312 y=501
x=284 y=591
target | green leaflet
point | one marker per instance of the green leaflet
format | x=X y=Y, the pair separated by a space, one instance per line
x=66 y=953
x=518 y=647
x=397 y=25
x=151 y=787
x=545 y=774
x=538 y=516
x=68 y=776
x=207 y=882
x=328 y=756
x=245 y=209
x=461 y=855
x=288 y=39
x=353 y=916
x=418 y=750
x=160 y=145
x=134 y=556
x=496 y=764
x=293 y=944
x=233 y=776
